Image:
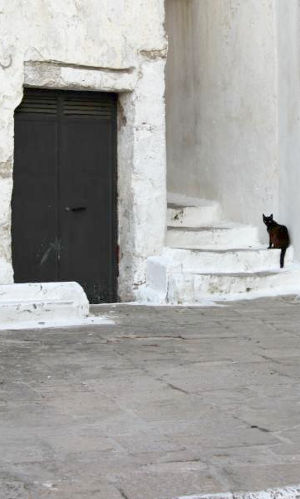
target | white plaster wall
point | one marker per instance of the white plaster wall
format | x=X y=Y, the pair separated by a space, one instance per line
x=222 y=140
x=288 y=25
x=98 y=45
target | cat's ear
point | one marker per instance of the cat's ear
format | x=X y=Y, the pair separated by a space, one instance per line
x=264 y=217
x=271 y=216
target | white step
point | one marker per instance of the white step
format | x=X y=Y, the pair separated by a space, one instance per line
x=206 y=258
x=192 y=288
x=42 y=302
x=221 y=236
x=224 y=260
x=205 y=213
x=160 y=269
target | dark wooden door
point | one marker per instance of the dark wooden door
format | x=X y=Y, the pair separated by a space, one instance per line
x=64 y=216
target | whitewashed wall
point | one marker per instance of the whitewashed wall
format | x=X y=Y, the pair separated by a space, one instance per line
x=97 y=45
x=288 y=25
x=222 y=133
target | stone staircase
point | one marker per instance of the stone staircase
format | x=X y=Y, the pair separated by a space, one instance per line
x=208 y=258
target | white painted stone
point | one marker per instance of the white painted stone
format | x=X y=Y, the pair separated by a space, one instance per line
x=216 y=262
x=202 y=212
x=287 y=27
x=232 y=116
x=117 y=46
x=42 y=302
x=172 y=285
x=142 y=178
x=222 y=102
x=233 y=112
x=62 y=76
x=221 y=236
x=186 y=200
x=192 y=288
x=291 y=492
x=6 y=273
x=229 y=260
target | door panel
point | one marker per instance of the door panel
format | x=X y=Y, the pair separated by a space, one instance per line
x=34 y=207
x=64 y=199
x=86 y=205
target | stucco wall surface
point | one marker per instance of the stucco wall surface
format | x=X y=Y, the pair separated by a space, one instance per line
x=99 y=45
x=221 y=97
x=288 y=25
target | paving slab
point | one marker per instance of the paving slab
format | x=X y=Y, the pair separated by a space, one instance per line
x=164 y=402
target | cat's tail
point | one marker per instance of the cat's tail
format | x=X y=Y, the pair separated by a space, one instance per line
x=282 y=255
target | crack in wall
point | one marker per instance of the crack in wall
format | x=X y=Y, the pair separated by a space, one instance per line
x=52 y=63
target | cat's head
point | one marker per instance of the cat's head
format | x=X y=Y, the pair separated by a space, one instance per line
x=268 y=220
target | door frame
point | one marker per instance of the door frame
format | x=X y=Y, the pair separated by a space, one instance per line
x=49 y=105
x=141 y=164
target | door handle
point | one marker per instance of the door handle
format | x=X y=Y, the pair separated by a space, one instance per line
x=75 y=208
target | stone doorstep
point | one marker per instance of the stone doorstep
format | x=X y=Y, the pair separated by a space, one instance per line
x=292 y=492
x=42 y=302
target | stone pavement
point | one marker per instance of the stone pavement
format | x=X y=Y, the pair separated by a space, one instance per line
x=166 y=403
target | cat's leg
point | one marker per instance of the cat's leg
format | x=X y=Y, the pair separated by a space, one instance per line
x=270 y=243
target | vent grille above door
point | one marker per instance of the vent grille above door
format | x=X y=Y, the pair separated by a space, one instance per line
x=89 y=106
x=68 y=103
x=34 y=103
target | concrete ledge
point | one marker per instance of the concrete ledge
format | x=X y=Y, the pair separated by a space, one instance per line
x=42 y=302
x=292 y=492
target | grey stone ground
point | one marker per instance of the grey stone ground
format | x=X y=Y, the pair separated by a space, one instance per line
x=168 y=402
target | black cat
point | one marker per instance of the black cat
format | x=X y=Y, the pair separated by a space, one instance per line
x=279 y=236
